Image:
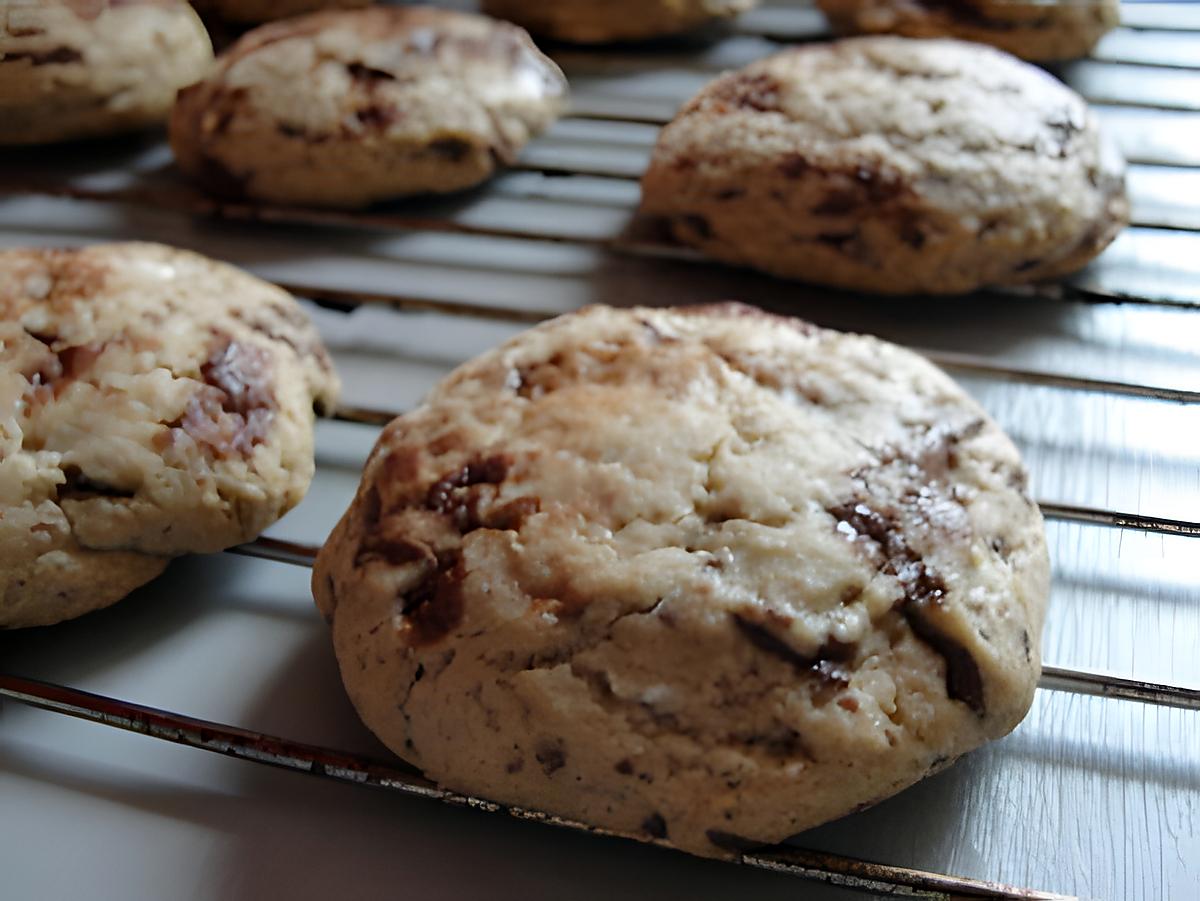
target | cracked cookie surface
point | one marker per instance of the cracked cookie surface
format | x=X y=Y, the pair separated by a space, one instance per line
x=1027 y=28
x=347 y=108
x=152 y=403
x=701 y=575
x=604 y=21
x=81 y=68
x=890 y=165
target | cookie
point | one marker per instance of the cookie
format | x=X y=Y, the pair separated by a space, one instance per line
x=252 y=12
x=346 y=108
x=81 y=68
x=890 y=165
x=152 y=403
x=705 y=576
x=604 y=21
x=1026 y=28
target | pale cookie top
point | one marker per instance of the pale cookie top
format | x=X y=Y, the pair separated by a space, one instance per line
x=151 y=400
x=414 y=76
x=743 y=537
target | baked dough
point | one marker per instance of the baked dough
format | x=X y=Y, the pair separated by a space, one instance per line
x=605 y=21
x=890 y=165
x=252 y=12
x=152 y=403
x=346 y=108
x=1031 y=29
x=704 y=576
x=81 y=68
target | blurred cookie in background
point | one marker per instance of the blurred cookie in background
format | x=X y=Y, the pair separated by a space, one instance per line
x=605 y=21
x=74 y=70
x=1031 y=29
x=891 y=165
x=253 y=12
x=343 y=109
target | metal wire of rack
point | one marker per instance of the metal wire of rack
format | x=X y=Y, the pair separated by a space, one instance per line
x=590 y=161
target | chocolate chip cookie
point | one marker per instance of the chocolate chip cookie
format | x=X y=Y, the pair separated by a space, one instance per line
x=346 y=108
x=251 y=12
x=890 y=165
x=604 y=21
x=80 y=68
x=152 y=403
x=704 y=575
x=1032 y=29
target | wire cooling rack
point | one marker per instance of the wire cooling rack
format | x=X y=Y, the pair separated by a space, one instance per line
x=565 y=215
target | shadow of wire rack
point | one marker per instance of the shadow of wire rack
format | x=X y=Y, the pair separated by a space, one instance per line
x=1097 y=380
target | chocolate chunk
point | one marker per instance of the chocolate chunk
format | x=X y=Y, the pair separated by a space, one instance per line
x=242 y=373
x=1063 y=129
x=838 y=241
x=655 y=826
x=730 y=842
x=880 y=186
x=457 y=496
x=490 y=470
x=232 y=412
x=377 y=116
x=454 y=150
x=78 y=487
x=697 y=226
x=765 y=640
x=924 y=591
x=219 y=179
x=435 y=606
x=57 y=56
x=624 y=767
x=393 y=550
x=551 y=756
x=963 y=680
x=363 y=72
x=66 y=366
x=911 y=232
x=758 y=92
x=793 y=165
x=784 y=743
x=826 y=664
x=837 y=203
